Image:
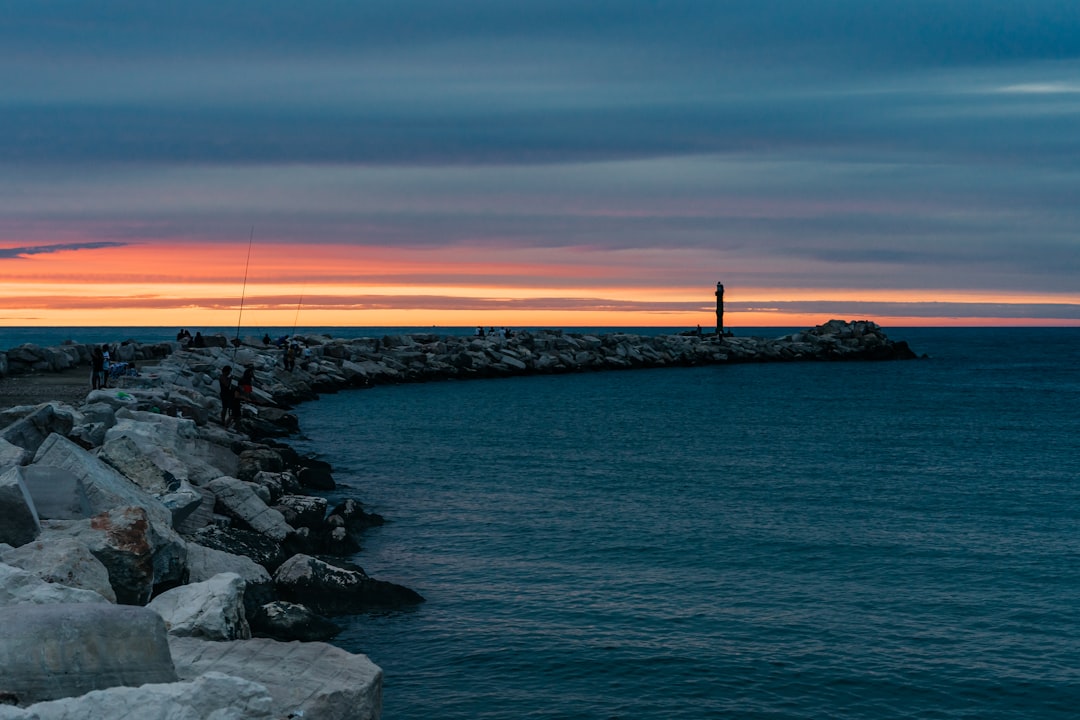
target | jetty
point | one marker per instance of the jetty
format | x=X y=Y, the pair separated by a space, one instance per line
x=156 y=563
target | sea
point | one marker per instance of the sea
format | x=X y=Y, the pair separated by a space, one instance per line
x=858 y=540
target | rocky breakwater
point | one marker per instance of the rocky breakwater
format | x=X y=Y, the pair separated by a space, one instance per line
x=155 y=564
x=152 y=559
x=332 y=364
x=337 y=363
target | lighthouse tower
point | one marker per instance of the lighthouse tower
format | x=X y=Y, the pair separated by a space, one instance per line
x=719 y=309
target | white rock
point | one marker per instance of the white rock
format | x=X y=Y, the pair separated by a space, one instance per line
x=62 y=561
x=212 y=696
x=18 y=586
x=314 y=678
x=212 y=609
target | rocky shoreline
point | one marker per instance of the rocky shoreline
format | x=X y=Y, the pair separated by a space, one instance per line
x=151 y=558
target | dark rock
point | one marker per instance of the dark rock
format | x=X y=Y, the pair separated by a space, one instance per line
x=254 y=461
x=355 y=517
x=316 y=478
x=287 y=621
x=331 y=589
x=254 y=545
x=302 y=510
x=336 y=540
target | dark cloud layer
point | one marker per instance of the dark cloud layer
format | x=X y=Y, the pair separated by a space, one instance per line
x=19 y=252
x=809 y=143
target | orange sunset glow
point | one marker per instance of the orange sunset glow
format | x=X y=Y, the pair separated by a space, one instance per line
x=176 y=284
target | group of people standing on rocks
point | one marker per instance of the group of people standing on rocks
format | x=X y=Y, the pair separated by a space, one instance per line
x=234 y=393
x=492 y=332
x=184 y=338
x=102 y=367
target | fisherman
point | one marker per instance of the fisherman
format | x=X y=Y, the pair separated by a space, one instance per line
x=104 y=366
x=97 y=372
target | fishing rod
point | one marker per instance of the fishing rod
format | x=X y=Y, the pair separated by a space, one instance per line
x=243 y=291
x=296 y=317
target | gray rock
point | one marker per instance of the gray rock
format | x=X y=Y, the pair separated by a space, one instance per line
x=22 y=587
x=114 y=398
x=200 y=516
x=311 y=680
x=19 y=522
x=212 y=609
x=62 y=561
x=155 y=471
x=89 y=435
x=213 y=695
x=31 y=431
x=204 y=563
x=13 y=455
x=236 y=499
x=105 y=487
x=99 y=412
x=183 y=502
x=62 y=650
x=58 y=493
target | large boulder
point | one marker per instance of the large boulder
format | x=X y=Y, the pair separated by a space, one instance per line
x=31 y=431
x=176 y=445
x=62 y=561
x=309 y=680
x=64 y=650
x=331 y=589
x=213 y=695
x=22 y=587
x=19 y=523
x=151 y=468
x=143 y=556
x=204 y=563
x=212 y=609
x=239 y=501
x=105 y=487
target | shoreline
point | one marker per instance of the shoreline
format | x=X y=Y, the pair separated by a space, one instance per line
x=227 y=535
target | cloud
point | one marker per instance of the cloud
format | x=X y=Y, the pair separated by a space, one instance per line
x=21 y=252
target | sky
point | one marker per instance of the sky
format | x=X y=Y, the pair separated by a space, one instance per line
x=539 y=163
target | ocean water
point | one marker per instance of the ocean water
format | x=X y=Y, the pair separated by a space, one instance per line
x=808 y=540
